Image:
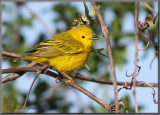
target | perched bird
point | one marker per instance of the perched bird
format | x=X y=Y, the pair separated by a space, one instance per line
x=65 y=51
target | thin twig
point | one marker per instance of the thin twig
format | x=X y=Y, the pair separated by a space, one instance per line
x=30 y=91
x=149 y=8
x=81 y=89
x=148 y=40
x=73 y=74
x=134 y=74
x=153 y=93
x=105 y=34
x=144 y=35
x=125 y=86
x=40 y=19
x=22 y=69
x=154 y=20
x=52 y=74
x=13 y=76
x=152 y=61
x=136 y=56
x=108 y=82
x=9 y=54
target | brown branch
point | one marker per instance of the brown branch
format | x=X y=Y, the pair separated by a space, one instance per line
x=73 y=74
x=154 y=20
x=148 y=37
x=153 y=93
x=81 y=89
x=52 y=74
x=109 y=82
x=13 y=75
x=25 y=103
x=136 y=55
x=9 y=54
x=105 y=34
x=22 y=69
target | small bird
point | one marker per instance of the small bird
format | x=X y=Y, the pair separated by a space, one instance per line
x=65 y=51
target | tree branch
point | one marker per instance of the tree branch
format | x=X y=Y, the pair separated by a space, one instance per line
x=108 y=82
x=73 y=74
x=6 y=54
x=136 y=55
x=105 y=34
x=13 y=75
x=149 y=8
x=81 y=89
x=52 y=74
x=25 y=103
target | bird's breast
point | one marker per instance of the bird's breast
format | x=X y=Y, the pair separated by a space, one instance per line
x=69 y=62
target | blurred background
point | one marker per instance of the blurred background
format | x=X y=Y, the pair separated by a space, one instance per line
x=25 y=24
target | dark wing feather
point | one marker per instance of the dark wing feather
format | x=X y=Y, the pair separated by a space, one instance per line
x=58 y=46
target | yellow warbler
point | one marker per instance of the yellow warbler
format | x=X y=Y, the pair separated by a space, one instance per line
x=64 y=51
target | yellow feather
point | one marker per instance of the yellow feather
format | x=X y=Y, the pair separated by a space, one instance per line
x=64 y=51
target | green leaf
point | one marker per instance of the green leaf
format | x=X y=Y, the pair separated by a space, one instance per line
x=93 y=13
x=86 y=9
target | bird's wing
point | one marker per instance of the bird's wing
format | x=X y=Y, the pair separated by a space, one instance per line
x=58 y=46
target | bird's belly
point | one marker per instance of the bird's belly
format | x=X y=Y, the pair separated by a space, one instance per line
x=68 y=62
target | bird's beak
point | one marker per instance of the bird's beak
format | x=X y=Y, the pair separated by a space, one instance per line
x=94 y=38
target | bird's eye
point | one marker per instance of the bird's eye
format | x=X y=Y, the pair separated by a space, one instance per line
x=83 y=36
